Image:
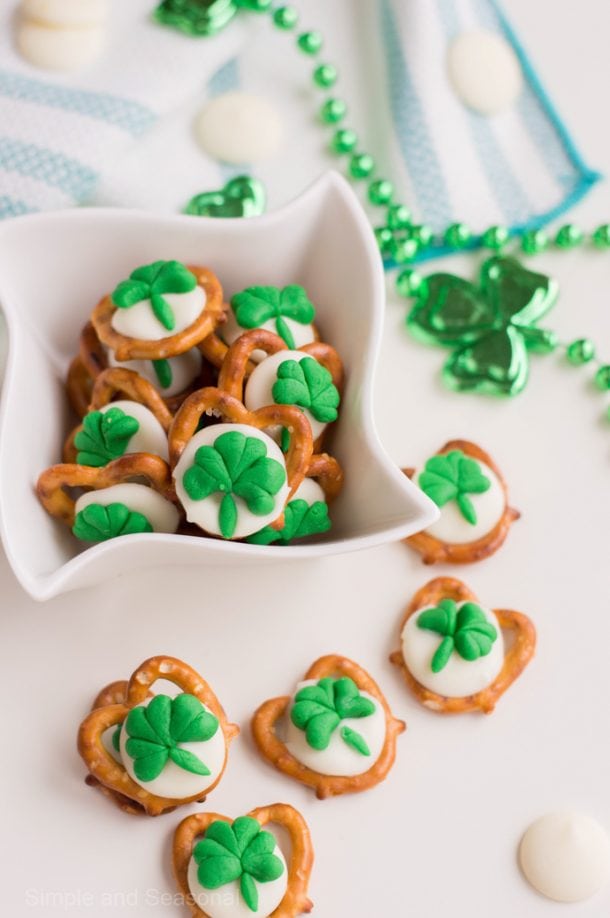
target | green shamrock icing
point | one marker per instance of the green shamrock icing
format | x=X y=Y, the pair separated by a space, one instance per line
x=453 y=476
x=196 y=17
x=240 y=851
x=242 y=196
x=308 y=384
x=116 y=738
x=468 y=631
x=256 y=305
x=236 y=466
x=105 y=436
x=300 y=519
x=151 y=282
x=99 y=522
x=163 y=372
x=156 y=731
x=319 y=709
x=490 y=328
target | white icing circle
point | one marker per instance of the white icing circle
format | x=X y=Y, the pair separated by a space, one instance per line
x=139 y=321
x=566 y=856
x=185 y=369
x=338 y=758
x=61 y=49
x=174 y=782
x=484 y=71
x=452 y=527
x=227 y=902
x=258 y=391
x=238 y=127
x=107 y=736
x=65 y=13
x=150 y=438
x=459 y=677
x=230 y=331
x=310 y=491
x=162 y=515
x=205 y=512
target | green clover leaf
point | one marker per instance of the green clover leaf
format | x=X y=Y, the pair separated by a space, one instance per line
x=490 y=328
x=99 y=522
x=235 y=465
x=104 y=436
x=300 y=520
x=308 y=384
x=466 y=631
x=151 y=282
x=163 y=372
x=242 y=196
x=256 y=305
x=240 y=851
x=196 y=17
x=319 y=709
x=156 y=730
x=453 y=476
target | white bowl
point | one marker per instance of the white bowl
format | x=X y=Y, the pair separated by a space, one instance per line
x=53 y=269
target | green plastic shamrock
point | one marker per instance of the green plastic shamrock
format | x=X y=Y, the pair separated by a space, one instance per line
x=453 y=476
x=196 y=17
x=308 y=384
x=490 y=328
x=319 y=709
x=240 y=851
x=300 y=520
x=99 y=522
x=257 y=305
x=236 y=466
x=105 y=436
x=468 y=631
x=163 y=372
x=151 y=282
x=155 y=732
x=242 y=196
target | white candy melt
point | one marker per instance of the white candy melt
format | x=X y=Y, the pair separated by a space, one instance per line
x=65 y=13
x=238 y=127
x=60 y=49
x=484 y=71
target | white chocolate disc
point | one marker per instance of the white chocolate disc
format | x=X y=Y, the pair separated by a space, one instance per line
x=230 y=331
x=205 y=512
x=227 y=902
x=61 y=49
x=65 y=13
x=452 y=527
x=174 y=782
x=160 y=513
x=310 y=491
x=258 y=391
x=238 y=127
x=139 y=321
x=107 y=743
x=566 y=856
x=150 y=438
x=484 y=71
x=459 y=677
x=185 y=369
x=338 y=758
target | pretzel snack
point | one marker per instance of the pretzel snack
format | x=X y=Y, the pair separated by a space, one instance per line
x=215 y=349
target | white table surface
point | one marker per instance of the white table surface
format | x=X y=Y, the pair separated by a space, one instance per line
x=440 y=835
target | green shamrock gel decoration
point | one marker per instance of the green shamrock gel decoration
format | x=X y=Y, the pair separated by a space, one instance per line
x=163 y=372
x=155 y=732
x=490 y=328
x=116 y=738
x=239 y=851
x=452 y=476
x=99 y=522
x=151 y=282
x=242 y=196
x=468 y=631
x=105 y=436
x=308 y=384
x=300 y=520
x=236 y=466
x=319 y=709
x=256 y=305
x=196 y=17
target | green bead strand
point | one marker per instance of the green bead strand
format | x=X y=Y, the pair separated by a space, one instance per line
x=310 y=42
x=403 y=250
x=569 y=236
x=380 y=192
x=333 y=111
x=285 y=17
x=325 y=76
x=384 y=238
x=361 y=165
x=534 y=241
x=601 y=236
x=457 y=236
x=580 y=351
x=257 y=6
x=399 y=216
x=602 y=378
x=495 y=237
x=423 y=235
x=343 y=141
x=408 y=282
